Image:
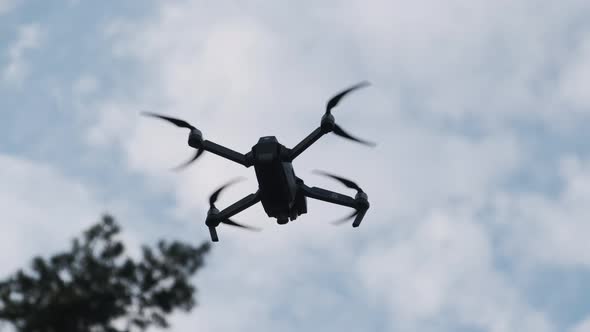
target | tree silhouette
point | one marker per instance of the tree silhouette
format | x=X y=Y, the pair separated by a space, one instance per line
x=94 y=288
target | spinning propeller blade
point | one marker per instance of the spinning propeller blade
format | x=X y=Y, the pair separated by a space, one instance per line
x=342 y=180
x=233 y=223
x=177 y=122
x=347 y=183
x=340 y=132
x=215 y=195
x=345 y=219
x=181 y=124
x=333 y=102
x=213 y=198
x=336 y=99
x=190 y=161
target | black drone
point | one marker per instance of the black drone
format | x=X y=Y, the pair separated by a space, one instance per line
x=282 y=194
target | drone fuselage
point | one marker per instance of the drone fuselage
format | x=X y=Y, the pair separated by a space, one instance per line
x=277 y=181
x=282 y=194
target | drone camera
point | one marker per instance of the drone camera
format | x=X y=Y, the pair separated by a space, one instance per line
x=268 y=139
x=267 y=150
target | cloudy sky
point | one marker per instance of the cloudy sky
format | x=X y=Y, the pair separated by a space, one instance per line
x=479 y=185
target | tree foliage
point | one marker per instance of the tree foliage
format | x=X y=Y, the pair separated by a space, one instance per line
x=95 y=287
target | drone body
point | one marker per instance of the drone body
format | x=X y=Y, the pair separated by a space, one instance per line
x=277 y=181
x=282 y=194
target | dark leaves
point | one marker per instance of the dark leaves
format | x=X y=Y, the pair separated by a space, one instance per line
x=94 y=284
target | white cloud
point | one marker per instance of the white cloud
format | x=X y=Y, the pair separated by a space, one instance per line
x=7 y=5
x=42 y=209
x=443 y=271
x=546 y=229
x=113 y=120
x=239 y=72
x=17 y=69
x=85 y=85
x=493 y=61
x=583 y=326
x=576 y=76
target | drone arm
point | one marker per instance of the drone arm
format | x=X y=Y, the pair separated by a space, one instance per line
x=215 y=217
x=239 y=206
x=306 y=142
x=360 y=203
x=328 y=196
x=226 y=153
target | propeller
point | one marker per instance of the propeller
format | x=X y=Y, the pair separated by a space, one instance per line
x=345 y=219
x=181 y=124
x=342 y=180
x=347 y=183
x=213 y=198
x=177 y=122
x=190 y=161
x=333 y=102
x=340 y=132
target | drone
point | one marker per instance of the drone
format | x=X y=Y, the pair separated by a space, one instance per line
x=282 y=194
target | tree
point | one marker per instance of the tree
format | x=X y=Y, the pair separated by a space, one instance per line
x=94 y=287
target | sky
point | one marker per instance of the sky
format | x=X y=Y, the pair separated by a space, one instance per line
x=479 y=185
